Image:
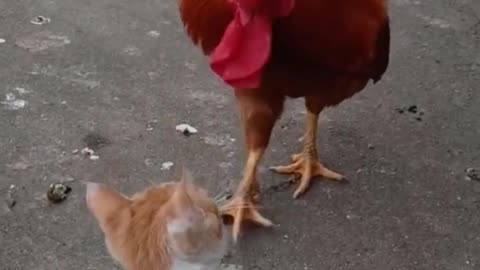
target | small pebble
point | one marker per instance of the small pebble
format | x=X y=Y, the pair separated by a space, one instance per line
x=39 y=20
x=58 y=192
x=413 y=109
x=2 y=41
x=87 y=151
x=371 y=146
x=94 y=157
x=10 y=200
x=166 y=166
x=154 y=33
x=472 y=174
x=151 y=125
x=74 y=152
x=148 y=162
x=186 y=129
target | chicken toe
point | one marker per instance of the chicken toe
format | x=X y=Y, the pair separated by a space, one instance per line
x=307 y=167
x=243 y=209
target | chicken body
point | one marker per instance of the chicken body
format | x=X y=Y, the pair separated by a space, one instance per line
x=325 y=51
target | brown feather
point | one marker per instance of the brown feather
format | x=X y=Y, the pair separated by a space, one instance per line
x=383 y=53
x=205 y=21
x=319 y=39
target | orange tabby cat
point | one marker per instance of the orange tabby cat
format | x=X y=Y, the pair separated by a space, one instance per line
x=173 y=226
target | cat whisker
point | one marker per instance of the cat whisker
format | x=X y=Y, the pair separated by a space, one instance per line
x=221 y=198
x=240 y=207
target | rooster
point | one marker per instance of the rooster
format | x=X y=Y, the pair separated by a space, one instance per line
x=268 y=50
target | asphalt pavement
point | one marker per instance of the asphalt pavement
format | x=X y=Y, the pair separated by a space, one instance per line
x=119 y=76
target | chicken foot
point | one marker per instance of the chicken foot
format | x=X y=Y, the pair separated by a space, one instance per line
x=306 y=164
x=243 y=206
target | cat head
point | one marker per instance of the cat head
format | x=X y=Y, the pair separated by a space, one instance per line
x=171 y=222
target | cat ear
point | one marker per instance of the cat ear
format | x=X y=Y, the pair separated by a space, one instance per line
x=187 y=177
x=104 y=203
x=180 y=199
x=185 y=213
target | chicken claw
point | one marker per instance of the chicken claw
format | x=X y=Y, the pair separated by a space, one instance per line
x=307 y=167
x=240 y=209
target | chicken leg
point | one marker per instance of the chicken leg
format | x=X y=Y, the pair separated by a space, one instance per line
x=243 y=205
x=259 y=110
x=306 y=163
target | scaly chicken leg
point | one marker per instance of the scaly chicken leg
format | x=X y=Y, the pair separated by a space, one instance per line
x=306 y=163
x=259 y=110
x=243 y=205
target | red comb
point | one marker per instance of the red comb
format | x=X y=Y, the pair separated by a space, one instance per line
x=245 y=48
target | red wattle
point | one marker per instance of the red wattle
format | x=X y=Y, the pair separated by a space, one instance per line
x=245 y=48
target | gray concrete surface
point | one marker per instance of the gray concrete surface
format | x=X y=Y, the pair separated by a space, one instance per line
x=125 y=70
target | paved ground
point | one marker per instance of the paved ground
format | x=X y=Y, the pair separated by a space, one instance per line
x=124 y=70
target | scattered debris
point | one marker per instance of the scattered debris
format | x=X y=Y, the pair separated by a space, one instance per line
x=186 y=129
x=154 y=33
x=413 y=109
x=87 y=151
x=148 y=162
x=95 y=141
x=166 y=166
x=2 y=41
x=472 y=174
x=58 y=192
x=10 y=200
x=14 y=103
x=40 y=20
x=151 y=125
